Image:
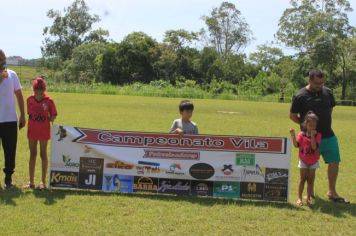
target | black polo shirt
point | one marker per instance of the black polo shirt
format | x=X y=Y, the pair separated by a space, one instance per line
x=321 y=103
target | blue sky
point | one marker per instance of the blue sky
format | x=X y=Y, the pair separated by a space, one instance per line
x=23 y=21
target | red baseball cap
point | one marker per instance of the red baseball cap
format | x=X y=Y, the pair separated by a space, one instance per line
x=39 y=83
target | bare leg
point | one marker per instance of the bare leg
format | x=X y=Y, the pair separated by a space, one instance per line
x=310 y=187
x=302 y=179
x=44 y=158
x=32 y=162
x=333 y=170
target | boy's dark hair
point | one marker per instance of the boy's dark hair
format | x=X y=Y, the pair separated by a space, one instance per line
x=316 y=73
x=186 y=105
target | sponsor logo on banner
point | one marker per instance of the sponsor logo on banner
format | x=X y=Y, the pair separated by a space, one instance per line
x=227 y=189
x=66 y=163
x=176 y=155
x=146 y=167
x=253 y=174
x=174 y=186
x=187 y=142
x=175 y=169
x=118 y=183
x=276 y=176
x=119 y=165
x=64 y=179
x=208 y=165
x=276 y=192
x=251 y=190
x=202 y=188
x=61 y=133
x=201 y=171
x=245 y=159
x=145 y=184
x=91 y=173
x=228 y=172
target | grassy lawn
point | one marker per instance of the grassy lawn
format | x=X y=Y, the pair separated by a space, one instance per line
x=67 y=212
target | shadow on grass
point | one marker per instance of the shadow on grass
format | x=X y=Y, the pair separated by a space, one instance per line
x=52 y=195
x=335 y=209
x=8 y=196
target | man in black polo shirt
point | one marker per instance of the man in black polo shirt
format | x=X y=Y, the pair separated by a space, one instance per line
x=319 y=99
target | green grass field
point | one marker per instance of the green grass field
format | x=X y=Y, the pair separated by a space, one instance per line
x=67 y=212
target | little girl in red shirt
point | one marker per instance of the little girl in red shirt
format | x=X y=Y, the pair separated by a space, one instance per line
x=41 y=111
x=308 y=141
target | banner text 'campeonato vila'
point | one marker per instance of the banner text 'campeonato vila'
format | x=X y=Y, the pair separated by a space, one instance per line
x=194 y=142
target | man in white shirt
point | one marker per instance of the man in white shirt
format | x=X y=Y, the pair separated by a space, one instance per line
x=10 y=88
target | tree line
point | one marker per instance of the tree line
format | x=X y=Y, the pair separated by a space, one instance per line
x=213 y=58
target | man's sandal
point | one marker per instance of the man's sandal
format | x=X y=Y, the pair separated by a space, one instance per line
x=310 y=203
x=28 y=186
x=339 y=199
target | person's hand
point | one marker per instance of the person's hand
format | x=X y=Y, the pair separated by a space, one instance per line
x=292 y=132
x=52 y=118
x=179 y=131
x=22 y=122
x=313 y=133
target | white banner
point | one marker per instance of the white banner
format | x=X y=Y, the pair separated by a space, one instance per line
x=210 y=165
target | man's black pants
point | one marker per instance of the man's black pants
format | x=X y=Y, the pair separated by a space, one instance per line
x=8 y=136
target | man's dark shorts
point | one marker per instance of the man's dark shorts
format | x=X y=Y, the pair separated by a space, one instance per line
x=329 y=150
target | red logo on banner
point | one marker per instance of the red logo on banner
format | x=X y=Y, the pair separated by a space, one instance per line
x=190 y=142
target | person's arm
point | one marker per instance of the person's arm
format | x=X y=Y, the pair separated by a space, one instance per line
x=333 y=102
x=294 y=117
x=294 y=140
x=313 y=140
x=52 y=118
x=173 y=128
x=178 y=131
x=196 y=129
x=21 y=103
x=53 y=111
x=294 y=112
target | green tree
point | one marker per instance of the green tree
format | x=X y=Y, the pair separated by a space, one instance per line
x=176 y=56
x=129 y=61
x=317 y=29
x=83 y=66
x=325 y=54
x=348 y=64
x=204 y=65
x=227 y=30
x=285 y=69
x=69 y=30
x=301 y=24
x=179 y=39
x=266 y=57
x=165 y=64
x=229 y=68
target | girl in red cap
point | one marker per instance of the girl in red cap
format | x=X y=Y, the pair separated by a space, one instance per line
x=41 y=110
